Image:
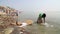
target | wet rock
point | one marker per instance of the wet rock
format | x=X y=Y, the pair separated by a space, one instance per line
x=29 y=22
x=8 y=30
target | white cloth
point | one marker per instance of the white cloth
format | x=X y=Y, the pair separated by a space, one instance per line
x=23 y=25
x=47 y=25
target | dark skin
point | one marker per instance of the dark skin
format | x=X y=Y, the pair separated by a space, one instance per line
x=43 y=16
x=17 y=21
x=15 y=14
x=40 y=18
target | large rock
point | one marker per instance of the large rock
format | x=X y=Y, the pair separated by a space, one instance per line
x=29 y=22
x=5 y=21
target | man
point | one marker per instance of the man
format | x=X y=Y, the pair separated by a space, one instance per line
x=15 y=16
x=40 y=20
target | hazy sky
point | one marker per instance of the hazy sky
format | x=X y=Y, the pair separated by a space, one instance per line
x=50 y=5
x=31 y=8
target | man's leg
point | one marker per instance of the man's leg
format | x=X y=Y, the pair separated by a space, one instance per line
x=39 y=20
x=16 y=20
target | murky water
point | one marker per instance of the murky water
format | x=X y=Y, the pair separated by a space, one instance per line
x=37 y=29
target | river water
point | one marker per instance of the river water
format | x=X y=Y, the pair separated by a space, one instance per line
x=51 y=19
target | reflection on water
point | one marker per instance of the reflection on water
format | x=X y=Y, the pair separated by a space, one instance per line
x=35 y=29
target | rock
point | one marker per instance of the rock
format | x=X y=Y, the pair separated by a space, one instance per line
x=5 y=21
x=29 y=22
x=8 y=30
